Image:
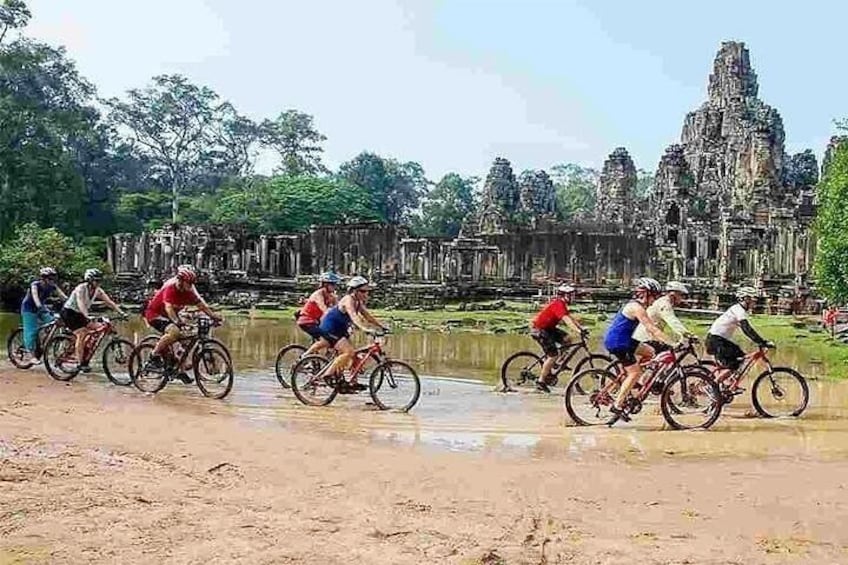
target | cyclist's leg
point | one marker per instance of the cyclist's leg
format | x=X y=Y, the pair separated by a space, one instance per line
x=727 y=356
x=318 y=342
x=29 y=320
x=346 y=352
x=547 y=341
x=632 y=371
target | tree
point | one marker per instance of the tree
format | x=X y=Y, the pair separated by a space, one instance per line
x=236 y=138
x=14 y=14
x=576 y=191
x=170 y=123
x=447 y=206
x=285 y=204
x=396 y=188
x=294 y=137
x=831 y=226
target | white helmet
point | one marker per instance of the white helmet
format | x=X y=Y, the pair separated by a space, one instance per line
x=648 y=284
x=92 y=275
x=676 y=286
x=746 y=292
x=47 y=272
x=357 y=282
x=565 y=289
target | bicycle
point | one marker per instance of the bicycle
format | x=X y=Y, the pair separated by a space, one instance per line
x=210 y=361
x=689 y=397
x=288 y=357
x=525 y=367
x=776 y=392
x=186 y=317
x=15 y=343
x=60 y=353
x=392 y=384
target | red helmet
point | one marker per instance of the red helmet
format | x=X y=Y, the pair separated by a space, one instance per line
x=186 y=274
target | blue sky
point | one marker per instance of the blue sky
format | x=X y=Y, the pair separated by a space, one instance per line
x=453 y=84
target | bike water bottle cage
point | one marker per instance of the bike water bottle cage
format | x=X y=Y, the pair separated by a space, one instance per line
x=203 y=326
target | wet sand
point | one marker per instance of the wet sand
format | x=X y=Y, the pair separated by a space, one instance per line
x=91 y=473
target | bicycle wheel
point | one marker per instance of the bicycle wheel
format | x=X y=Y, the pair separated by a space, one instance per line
x=780 y=392
x=308 y=383
x=394 y=385
x=213 y=371
x=116 y=361
x=592 y=361
x=16 y=351
x=144 y=378
x=520 y=369
x=589 y=396
x=691 y=399
x=59 y=354
x=286 y=359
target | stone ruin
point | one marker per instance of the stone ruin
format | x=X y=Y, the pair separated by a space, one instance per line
x=728 y=206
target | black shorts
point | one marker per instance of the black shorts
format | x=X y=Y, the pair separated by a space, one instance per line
x=727 y=354
x=625 y=355
x=550 y=340
x=312 y=330
x=159 y=324
x=657 y=346
x=73 y=320
x=332 y=339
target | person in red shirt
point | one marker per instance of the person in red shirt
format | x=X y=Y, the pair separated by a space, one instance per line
x=544 y=330
x=309 y=317
x=162 y=312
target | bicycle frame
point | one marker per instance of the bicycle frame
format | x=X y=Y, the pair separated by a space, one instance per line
x=732 y=380
x=372 y=351
x=95 y=338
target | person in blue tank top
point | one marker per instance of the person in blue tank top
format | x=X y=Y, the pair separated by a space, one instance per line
x=619 y=337
x=336 y=324
x=34 y=310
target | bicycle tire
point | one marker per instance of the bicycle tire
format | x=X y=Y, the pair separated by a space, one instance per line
x=55 y=353
x=302 y=379
x=124 y=348
x=672 y=408
x=531 y=361
x=386 y=377
x=15 y=349
x=280 y=369
x=141 y=378
x=763 y=380
x=205 y=358
x=594 y=381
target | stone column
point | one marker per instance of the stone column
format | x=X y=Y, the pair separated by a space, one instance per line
x=263 y=253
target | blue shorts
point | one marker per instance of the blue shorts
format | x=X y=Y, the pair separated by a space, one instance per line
x=626 y=355
x=312 y=330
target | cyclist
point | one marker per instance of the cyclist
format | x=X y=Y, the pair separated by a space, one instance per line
x=309 y=317
x=544 y=330
x=162 y=313
x=727 y=354
x=619 y=339
x=337 y=322
x=34 y=311
x=661 y=313
x=76 y=310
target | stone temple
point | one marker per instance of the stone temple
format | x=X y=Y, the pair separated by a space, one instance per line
x=728 y=206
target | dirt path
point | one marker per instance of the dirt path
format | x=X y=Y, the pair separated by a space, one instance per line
x=91 y=476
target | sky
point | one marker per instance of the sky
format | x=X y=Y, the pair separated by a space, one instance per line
x=453 y=84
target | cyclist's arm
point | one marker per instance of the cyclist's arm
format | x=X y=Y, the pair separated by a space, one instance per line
x=61 y=293
x=572 y=323
x=319 y=300
x=108 y=301
x=652 y=329
x=203 y=307
x=80 y=301
x=33 y=290
x=171 y=312
x=673 y=322
x=752 y=334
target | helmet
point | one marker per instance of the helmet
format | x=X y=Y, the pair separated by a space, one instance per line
x=47 y=272
x=565 y=289
x=648 y=284
x=186 y=274
x=93 y=275
x=356 y=283
x=675 y=286
x=746 y=292
x=330 y=278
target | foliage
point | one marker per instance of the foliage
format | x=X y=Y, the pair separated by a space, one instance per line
x=446 y=206
x=396 y=188
x=289 y=204
x=32 y=247
x=576 y=191
x=831 y=264
x=170 y=123
x=294 y=137
x=14 y=14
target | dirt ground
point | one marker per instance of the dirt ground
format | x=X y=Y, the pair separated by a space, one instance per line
x=91 y=476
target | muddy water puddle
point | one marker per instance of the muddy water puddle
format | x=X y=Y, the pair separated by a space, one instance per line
x=459 y=409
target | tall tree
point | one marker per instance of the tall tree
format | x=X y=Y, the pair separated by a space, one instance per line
x=14 y=14
x=236 y=138
x=576 y=190
x=447 y=206
x=831 y=263
x=396 y=187
x=169 y=122
x=294 y=137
